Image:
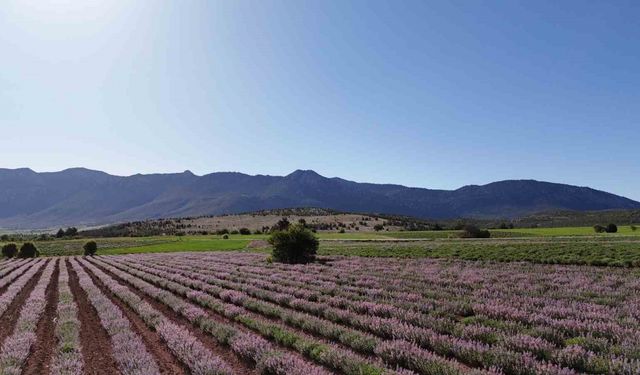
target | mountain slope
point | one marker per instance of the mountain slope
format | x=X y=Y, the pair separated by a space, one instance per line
x=84 y=197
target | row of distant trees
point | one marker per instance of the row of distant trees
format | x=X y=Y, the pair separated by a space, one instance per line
x=29 y=250
x=69 y=232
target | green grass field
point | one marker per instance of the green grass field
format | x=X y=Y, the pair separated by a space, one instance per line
x=126 y=245
x=569 y=231
x=550 y=251
x=573 y=245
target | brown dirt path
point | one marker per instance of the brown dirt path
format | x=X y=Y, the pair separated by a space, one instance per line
x=94 y=339
x=39 y=360
x=168 y=363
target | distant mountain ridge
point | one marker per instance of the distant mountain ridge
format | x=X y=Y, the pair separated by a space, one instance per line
x=80 y=196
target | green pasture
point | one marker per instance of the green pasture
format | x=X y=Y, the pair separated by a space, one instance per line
x=572 y=245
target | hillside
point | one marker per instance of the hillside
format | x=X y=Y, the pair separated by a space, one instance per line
x=85 y=197
x=578 y=218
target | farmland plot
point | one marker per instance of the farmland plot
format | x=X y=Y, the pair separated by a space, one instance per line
x=234 y=313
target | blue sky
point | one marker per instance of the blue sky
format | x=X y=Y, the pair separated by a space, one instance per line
x=435 y=94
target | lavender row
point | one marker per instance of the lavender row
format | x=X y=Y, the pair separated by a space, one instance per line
x=472 y=353
x=248 y=345
x=180 y=342
x=227 y=334
x=569 y=316
x=585 y=345
x=68 y=356
x=14 y=272
x=16 y=347
x=526 y=304
x=12 y=291
x=314 y=302
x=128 y=349
x=386 y=327
x=10 y=266
x=355 y=339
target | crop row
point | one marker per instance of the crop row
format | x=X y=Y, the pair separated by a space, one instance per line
x=128 y=349
x=472 y=353
x=245 y=344
x=21 y=279
x=180 y=342
x=68 y=358
x=7 y=267
x=394 y=352
x=330 y=356
x=595 y=332
x=568 y=310
x=16 y=347
x=509 y=333
x=524 y=300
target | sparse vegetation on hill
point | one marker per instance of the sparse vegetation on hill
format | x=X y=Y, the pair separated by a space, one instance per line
x=333 y=221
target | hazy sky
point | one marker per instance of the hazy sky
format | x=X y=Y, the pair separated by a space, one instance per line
x=435 y=94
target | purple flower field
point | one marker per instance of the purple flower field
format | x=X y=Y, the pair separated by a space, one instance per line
x=235 y=313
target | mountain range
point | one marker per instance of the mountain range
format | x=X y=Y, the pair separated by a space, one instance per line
x=83 y=197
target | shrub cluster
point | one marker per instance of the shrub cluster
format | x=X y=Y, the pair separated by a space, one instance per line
x=610 y=228
x=471 y=231
x=28 y=250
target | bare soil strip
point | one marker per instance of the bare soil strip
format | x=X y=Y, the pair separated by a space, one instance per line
x=39 y=360
x=96 y=345
x=167 y=362
x=237 y=364
x=10 y=317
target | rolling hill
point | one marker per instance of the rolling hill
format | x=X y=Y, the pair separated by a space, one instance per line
x=81 y=196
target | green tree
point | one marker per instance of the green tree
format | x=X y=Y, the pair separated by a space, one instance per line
x=90 y=248
x=9 y=250
x=599 y=228
x=294 y=245
x=60 y=233
x=28 y=250
x=378 y=227
x=612 y=228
